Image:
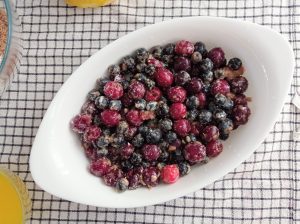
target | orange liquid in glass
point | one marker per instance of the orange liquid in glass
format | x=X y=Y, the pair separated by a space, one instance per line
x=11 y=210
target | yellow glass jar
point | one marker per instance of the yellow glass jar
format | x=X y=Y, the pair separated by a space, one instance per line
x=88 y=3
x=15 y=203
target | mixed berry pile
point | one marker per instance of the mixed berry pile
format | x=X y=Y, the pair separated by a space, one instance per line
x=161 y=111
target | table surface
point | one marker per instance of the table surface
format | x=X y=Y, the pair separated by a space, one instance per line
x=57 y=39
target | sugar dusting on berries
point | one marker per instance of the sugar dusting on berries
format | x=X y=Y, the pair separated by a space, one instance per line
x=160 y=112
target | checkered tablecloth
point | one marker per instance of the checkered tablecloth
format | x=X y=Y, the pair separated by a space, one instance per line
x=57 y=39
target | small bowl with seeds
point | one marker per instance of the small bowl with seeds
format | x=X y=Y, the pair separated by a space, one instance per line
x=10 y=43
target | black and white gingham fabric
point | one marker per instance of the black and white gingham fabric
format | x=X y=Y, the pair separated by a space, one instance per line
x=57 y=39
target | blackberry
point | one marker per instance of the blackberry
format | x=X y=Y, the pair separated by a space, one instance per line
x=122 y=185
x=142 y=54
x=140 y=104
x=152 y=105
x=169 y=49
x=125 y=84
x=115 y=105
x=205 y=65
x=207 y=77
x=184 y=168
x=136 y=159
x=176 y=156
x=156 y=52
x=149 y=70
x=126 y=165
x=192 y=114
x=113 y=70
x=205 y=116
x=162 y=110
x=143 y=129
x=235 y=63
x=170 y=136
x=164 y=156
x=128 y=64
x=92 y=95
x=153 y=136
x=138 y=140
x=201 y=48
x=165 y=124
x=192 y=102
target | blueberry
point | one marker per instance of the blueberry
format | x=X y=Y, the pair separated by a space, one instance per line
x=142 y=54
x=192 y=102
x=164 y=156
x=138 y=140
x=219 y=115
x=169 y=49
x=170 y=136
x=114 y=70
x=184 y=168
x=115 y=105
x=235 y=63
x=182 y=78
x=118 y=141
x=122 y=185
x=101 y=102
x=176 y=156
x=152 y=105
x=196 y=57
x=156 y=52
x=225 y=126
x=128 y=64
x=205 y=65
x=212 y=107
x=165 y=124
x=102 y=152
x=207 y=76
x=162 y=110
x=223 y=136
x=143 y=129
x=201 y=48
x=206 y=88
x=153 y=136
x=223 y=102
x=140 y=104
x=102 y=142
x=205 y=116
x=192 y=114
x=136 y=159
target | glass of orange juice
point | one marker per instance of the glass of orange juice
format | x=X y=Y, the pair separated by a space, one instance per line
x=15 y=203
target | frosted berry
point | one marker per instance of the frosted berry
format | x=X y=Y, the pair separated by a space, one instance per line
x=182 y=127
x=235 y=63
x=126 y=100
x=217 y=56
x=194 y=86
x=164 y=77
x=178 y=111
x=220 y=86
x=114 y=174
x=92 y=133
x=202 y=99
x=184 y=48
x=210 y=133
x=88 y=108
x=195 y=152
x=151 y=152
x=100 y=166
x=238 y=84
x=170 y=174
x=200 y=47
x=177 y=94
x=110 y=118
x=241 y=114
x=113 y=90
x=122 y=184
x=136 y=90
x=156 y=63
x=150 y=176
x=127 y=150
x=133 y=117
x=153 y=95
x=214 y=148
x=182 y=78
x=182 y=64
x=81 y=122
x=184 y=168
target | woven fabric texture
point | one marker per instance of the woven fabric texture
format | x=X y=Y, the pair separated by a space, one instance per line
x=57 y=39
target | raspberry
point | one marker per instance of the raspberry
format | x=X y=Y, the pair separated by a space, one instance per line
x=164 y=77
x=114 y=174
x=134 y=118
x=147 y=115
x=214 y=148
x=100 y=167
x=196 y=128
x=217 y=56
x=155 y=62
x=184 y=48
x=136 y=90
x=150 y=176
x=177 y=94
x=130 y=133
x=110 y=118
x=91 y=134
x=194 y=152
x=177 y=111
x=182 y=127
x=80 y=122
x=127 y=150
x=151 y=152
x=113 y=90
x=90 y=151
x=210 y=133
x=153 y=95
x=220 y=86
x=170 y=174
x=88 y=108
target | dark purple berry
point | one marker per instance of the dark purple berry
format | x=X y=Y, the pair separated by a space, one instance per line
x=210 y=133
x=194 y=152
x=184 y=168
x=225 y=126
x=182 y=78
x=156 y=52
x=217 y=56
x=102 y=102
x=235 y=63
x=182 y=64
x=196 y=57
x=205 y=65
x=201 y=48
x=136 y=159
x=165 y=124
x=150 y=176
x=214 y=148
x=194 y=86
x=151 y=152
x=170 y=137
x=238 y=84
x=241 y=114
x=138 y=140
x=153 y=136
x=169 y=49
